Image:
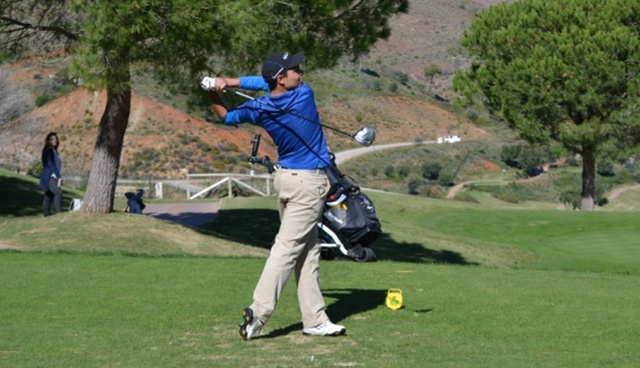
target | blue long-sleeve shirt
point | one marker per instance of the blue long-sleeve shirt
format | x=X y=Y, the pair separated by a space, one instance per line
x=292 y=121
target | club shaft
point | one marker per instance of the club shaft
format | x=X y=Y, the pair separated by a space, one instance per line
x=287 y=112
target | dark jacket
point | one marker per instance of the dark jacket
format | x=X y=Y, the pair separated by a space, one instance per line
x=50 y=165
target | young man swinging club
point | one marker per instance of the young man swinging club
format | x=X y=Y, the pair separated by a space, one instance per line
x=287 y=113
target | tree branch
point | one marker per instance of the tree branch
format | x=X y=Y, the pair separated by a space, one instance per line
x=38 y=28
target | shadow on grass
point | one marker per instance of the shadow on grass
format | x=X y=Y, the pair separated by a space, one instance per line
x=348 y=302
x=20 y=197
x=186 y=218
x=258 y=227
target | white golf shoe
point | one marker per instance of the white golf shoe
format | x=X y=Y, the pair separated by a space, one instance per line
x=326 y=328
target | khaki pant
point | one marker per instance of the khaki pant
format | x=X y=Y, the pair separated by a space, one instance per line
x=301 y=195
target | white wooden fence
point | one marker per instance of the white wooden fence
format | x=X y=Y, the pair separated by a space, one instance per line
x=229 y=179
x=195 y=182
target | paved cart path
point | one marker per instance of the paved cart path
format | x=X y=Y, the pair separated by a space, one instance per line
x=189 y=213
x=198 y=213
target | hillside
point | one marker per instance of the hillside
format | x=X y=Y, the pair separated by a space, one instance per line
x=163 y=141
x=428 y=34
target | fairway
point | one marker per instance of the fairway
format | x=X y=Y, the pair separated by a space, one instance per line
x=483 y=286
x=63 y=310
x=584 y=241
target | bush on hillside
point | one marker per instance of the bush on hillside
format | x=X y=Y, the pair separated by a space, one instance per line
x=605 y=168
x=572 y=161
x=432 y=191
x=413 y=185
x=389 y=171
x=431 y=170
x=465 y=197
x=573 y=197
x=36 y=169
x=43 y=99
x=403 y=171
x=446 y=179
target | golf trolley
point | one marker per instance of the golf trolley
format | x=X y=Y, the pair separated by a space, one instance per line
x=348 y=218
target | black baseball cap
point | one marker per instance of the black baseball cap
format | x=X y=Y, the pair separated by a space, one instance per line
x=277 y=63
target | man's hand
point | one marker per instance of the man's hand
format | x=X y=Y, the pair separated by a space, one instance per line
x=208 y=84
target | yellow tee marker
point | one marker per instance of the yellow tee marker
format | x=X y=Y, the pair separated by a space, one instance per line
x=394 y=299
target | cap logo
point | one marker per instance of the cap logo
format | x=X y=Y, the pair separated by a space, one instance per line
x=285 y=56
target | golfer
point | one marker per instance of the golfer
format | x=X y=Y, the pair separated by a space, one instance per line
x=288 y=113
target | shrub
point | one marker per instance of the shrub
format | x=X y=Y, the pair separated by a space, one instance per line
x=36 y=169
x=473 y=116
x=465 y=197
x=413 y=185
x=431 y=170
x=432 y=191
x=218 y=165
x=43 y=99
x=446 y=179
x=572 y=161
x=508 y=193
x=605 y=168
x=389 y=171
x=571 y=197
x=404 y=171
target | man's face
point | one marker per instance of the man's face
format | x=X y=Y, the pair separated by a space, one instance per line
x=292 y=78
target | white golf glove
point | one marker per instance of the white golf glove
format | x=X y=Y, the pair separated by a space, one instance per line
x=208 y=83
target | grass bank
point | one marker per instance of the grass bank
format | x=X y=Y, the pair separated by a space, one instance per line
x=483 y=286
x=62 y=310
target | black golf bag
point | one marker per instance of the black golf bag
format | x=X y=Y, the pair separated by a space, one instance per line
x=350 y=212
x=135 y=203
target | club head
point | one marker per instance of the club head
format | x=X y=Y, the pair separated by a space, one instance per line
x=365 y=136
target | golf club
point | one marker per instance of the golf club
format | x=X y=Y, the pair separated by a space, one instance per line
x=364 y=136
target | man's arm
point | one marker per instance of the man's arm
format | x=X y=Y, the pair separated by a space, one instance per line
x=214 y=85
x=217 y=104
x=254 y=83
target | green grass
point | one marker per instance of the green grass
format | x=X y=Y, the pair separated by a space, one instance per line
x=21 y=196
x=484 y=285
x=586 y=241
x=95 y=311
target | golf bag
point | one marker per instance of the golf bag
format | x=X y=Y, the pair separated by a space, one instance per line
x=134 y=202
x=350 y=212
x=347 y=212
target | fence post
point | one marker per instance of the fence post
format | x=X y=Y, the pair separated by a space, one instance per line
x=229 y=186
x=159 y=190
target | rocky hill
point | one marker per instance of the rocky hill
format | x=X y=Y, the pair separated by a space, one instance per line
x=162 y=141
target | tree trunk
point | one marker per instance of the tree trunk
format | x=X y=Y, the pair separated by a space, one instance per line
x=588 y=180
x=106 y=158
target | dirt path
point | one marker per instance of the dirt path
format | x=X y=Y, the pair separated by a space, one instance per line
x=5 y=245
x=456 y=188
x=616 y=192
x=613 y=195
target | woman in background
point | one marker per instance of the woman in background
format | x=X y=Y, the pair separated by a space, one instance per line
x=51 y=177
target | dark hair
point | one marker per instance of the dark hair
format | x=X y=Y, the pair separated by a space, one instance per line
x=272 y=84
x=46 y=142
